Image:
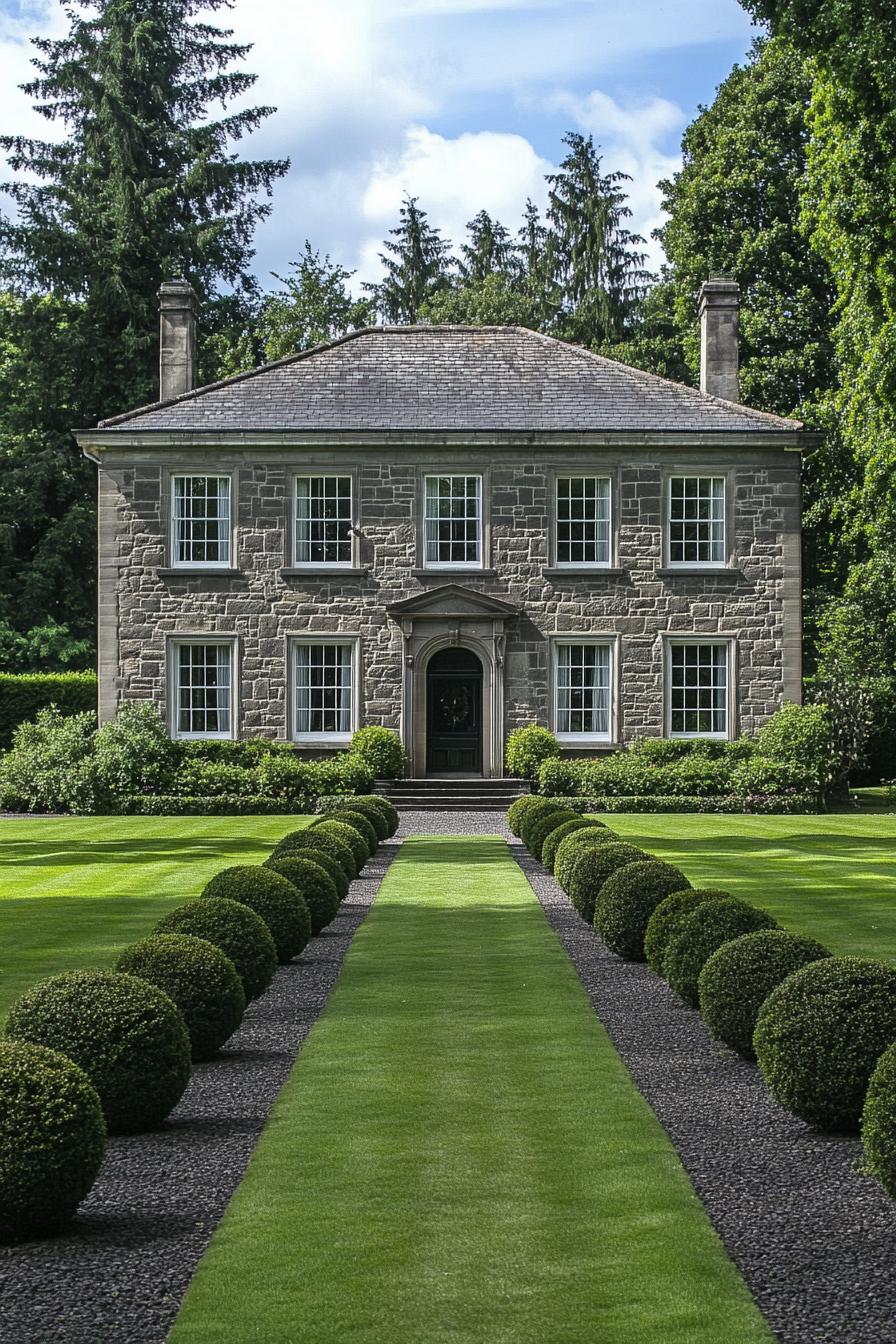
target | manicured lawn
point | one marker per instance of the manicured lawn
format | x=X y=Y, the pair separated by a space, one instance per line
x=73 y=892
x=833 y=877
x=460 y=1155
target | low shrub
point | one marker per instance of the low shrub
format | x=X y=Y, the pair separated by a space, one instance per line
x=352 y=817
x=381 y=751
x=527 y=748
x=389 y=811
x=538 y=831
x=50 y=766
x=133 y=753
x=205 y=805
x=628 y=898
x=820 y=1034
x=879 y=1121
x=524 y=807
x=792 y=803
x=24 y=694
x=287 y=776
x=738 y=978
x=126 y=1034
x=667 y=918
x=241 y=935
x=197 y=778
x=349 y=835
x=324 y=842
x=534 y=819
x=802 y=737
x=592 y=868
x=272 y=897
x=572 y=844
x=201 y=980
x=703 y=932
x=314 y=885
x=52 y=1139
x=558 y=835
x=375 y=815
x=319 y=859
x=763 y=777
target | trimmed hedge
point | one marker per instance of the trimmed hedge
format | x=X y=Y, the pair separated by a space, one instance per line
x=272 y=897
x=375 y=815
x=557 y=836
x=224 y=805
x=22 y=694
x=820 y=1034
x=52 y=1139
x=879 y=1121
x=738 y=978
x=240 y=934
x=703 y=932
x=200 y=979
x=325 y=842
x=361 y=823
x=318 y=859
x=349 y=835
x=538 y=830
x=127 y=1036
x=389 y=811
x=628 y=898
x=792 y=803
x=314 y=885
x=593 y=866
x=527 y=805
x=595 y=833
x=667 y=918
x=535 y=816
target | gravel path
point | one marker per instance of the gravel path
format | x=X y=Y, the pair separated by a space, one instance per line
x=814 y=1239
x=118 y=1276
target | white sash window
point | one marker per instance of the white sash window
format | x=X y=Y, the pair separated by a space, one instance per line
x=200 y=525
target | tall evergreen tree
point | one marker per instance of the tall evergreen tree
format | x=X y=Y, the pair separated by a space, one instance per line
x=489 y=250
x=417 y=265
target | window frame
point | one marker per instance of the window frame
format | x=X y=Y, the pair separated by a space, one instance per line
x=200 y=638
x=729 y=642
x=201 y=473
x=324 y=739
x=696 y=473
x=453 y=566
x=612 y=643
x=323 y=473
x=577 y=473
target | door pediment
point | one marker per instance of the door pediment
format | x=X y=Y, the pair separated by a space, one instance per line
x=453 y=601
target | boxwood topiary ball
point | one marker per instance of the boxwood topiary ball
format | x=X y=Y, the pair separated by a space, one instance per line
x=368 y=808
x=738 y=978
x=703 y=932
x=538 y=831
x=879 y=1121
x=126 y=1034
x=360 y=823
x=537 y=819
x=595 y=833
x=319 y=859
x=557 y=836
x=272 y=897
x=628 y=898
x=315 y=838
x=386 y=809
x=313 y=884
x=52 y=1139
x=200 y=979
x=528 y=806
x=666 y=920
x=593 y=866
x=820 y=1034
x=349 y=835
x=241 y=935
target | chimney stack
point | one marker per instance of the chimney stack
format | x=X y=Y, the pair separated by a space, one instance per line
x=719 y=309
x=177 y=339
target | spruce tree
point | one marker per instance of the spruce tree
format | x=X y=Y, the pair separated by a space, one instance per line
x=417 y=265
x=488 y=251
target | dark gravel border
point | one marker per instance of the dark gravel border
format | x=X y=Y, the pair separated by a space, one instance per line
x=119 y=1275
x=814 y=1240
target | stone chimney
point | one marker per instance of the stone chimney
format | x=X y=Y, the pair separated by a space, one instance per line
x=177 y=339
x=719 y=309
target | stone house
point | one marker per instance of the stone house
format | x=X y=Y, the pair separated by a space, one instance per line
x=450 y=531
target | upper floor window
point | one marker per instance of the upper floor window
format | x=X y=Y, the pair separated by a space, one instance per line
x=698 y=689
x=583 y=520
x=323 y=678
x=582 y=689
x=203 y=689
x=323 y=520
x=452 y=522
x=697 y=520
x=201 y=520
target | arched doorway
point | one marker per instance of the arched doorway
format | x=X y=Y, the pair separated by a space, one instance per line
x=454 y=713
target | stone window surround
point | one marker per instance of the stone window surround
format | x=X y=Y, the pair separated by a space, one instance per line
x=614 y=641
x=315 y=470
x=200 y=468
x=172 y=643
x=450 y=469
x=672 y=637
x=313 y=740
x=670 y=566
x=578 y=471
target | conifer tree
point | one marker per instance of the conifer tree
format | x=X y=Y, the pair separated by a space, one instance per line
x=417 y=265
x=488 y=251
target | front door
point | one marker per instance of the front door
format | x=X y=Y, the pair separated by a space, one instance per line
x=454 y=713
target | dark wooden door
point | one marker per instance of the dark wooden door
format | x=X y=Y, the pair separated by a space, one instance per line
x=454 y=713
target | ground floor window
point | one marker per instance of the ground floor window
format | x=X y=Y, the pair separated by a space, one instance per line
x=698 y=689
x=323 y=677
x=203 y=689
x=582 y=694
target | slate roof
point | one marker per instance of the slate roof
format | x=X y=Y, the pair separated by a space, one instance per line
x=447 y=378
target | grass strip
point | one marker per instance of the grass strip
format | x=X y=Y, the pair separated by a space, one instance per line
x=460 y=1155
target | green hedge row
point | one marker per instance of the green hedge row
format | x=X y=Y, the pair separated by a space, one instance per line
x=224 y=805
x=23 y=694
x=767 y=804
x=821 y=1028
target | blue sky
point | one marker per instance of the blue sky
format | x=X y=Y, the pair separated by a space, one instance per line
x=462 y=102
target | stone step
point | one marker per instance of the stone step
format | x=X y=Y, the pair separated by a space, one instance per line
x=452 y=794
